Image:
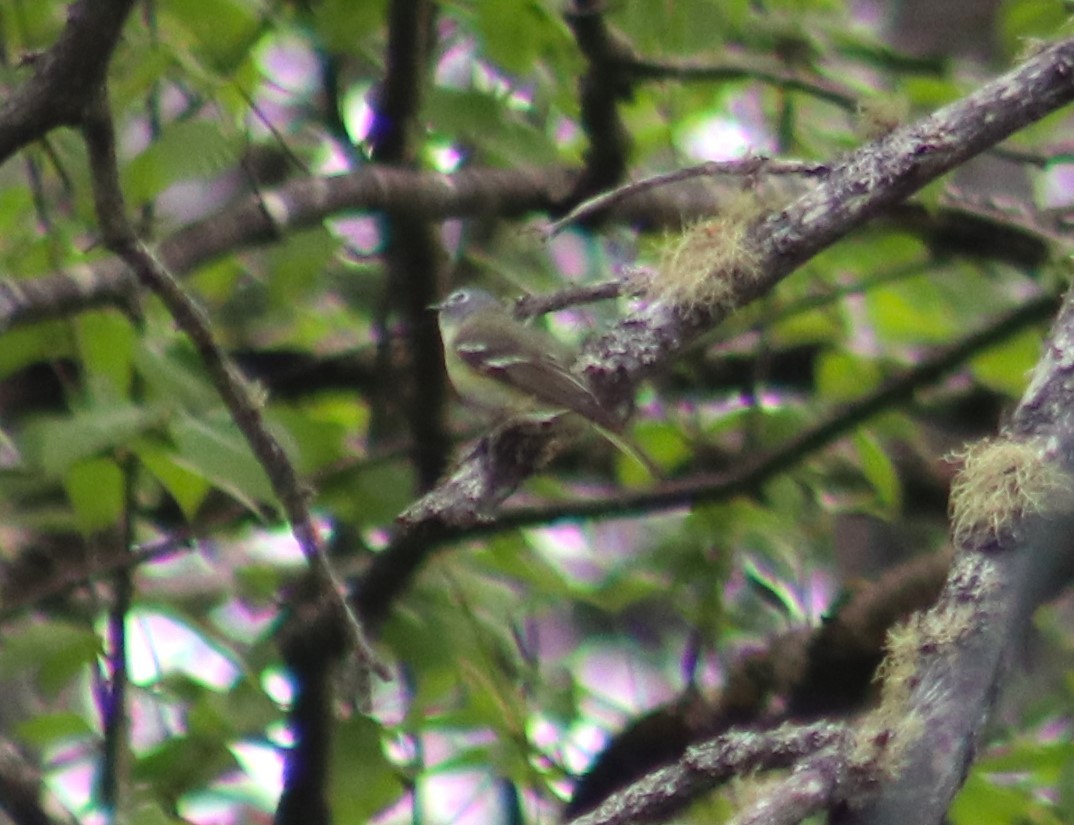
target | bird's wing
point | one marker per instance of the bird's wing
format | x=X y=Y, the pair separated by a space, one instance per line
x=531 y=364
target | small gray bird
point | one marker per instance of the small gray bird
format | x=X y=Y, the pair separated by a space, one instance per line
x=498 y=364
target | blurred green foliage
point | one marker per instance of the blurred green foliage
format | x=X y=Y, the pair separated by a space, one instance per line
x=512 y=649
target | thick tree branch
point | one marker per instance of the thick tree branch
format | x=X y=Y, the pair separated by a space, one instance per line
x=705 y=766
x=261 y=219
x=968 y=640
x=414 y=258
x=20 y=788
x=65 y=76
x=391 y=570
x=873 y=178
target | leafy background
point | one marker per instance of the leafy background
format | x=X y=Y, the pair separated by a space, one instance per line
x=139 y=526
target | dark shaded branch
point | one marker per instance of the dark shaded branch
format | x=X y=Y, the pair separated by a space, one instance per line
x=398 y=98
x=601 y=88
x=115 y=721
x=20 y=788
x=65 y=76
x=807 y=672
x=742 y=67
x=414 y=258
x=312 y=646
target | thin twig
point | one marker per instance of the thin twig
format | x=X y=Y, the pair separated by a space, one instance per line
x=238 y=396
x=749 y=167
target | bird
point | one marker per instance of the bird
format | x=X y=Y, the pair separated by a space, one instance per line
x=498 y=364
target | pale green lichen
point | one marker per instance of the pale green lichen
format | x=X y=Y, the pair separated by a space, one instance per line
x=1001 y=482
x=706 y=266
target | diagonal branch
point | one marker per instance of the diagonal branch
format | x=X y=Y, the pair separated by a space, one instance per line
x=870 y=180
x=391 y=570
x=875 y=177
x=705 y=766
x=236 y=393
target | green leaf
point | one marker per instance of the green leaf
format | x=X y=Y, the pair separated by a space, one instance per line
x=40 y=342
x=1022 y=21
x=515 y=33
x=95 y=488
x=187 y=487
x=182 y=764
x=55 y=443
x=695 y=25
x=512 y=557
x=844 y=376
x=223 y=33
x=55 y=651
x=879 y=470
x=297 y=263
x=981 y=802
x=175 y=375
x=662 y=441
x=480 y=117
x=147 y=812
x=38 y=24
x=623 y=588
x=1006 y=368
x=911 y=311
x=372 y=494
x=357 y=751
x=190 y=150
x=106 y=344
x=47 y=729
x=318 y=439
x=929 y=93
x=214 y=448
x=1025 y=756
x=343 y=24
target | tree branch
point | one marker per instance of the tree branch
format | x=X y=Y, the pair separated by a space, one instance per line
x=261 y=219
x=962 y=648
x=414 y=257
x=64 y=76
x=705 y=766
x=600 y=89
x=871 y=179
x=245 y=410
x=422 y=531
